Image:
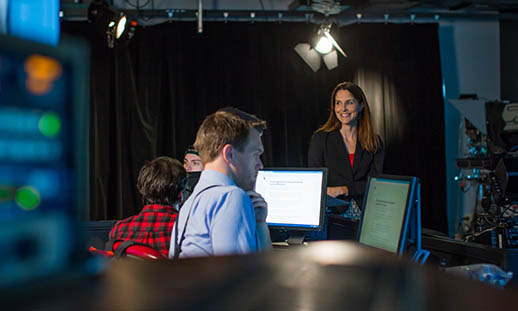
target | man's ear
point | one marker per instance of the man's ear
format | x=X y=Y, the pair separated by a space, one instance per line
x=227 y=153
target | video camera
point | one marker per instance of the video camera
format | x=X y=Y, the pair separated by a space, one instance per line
x=492 y=131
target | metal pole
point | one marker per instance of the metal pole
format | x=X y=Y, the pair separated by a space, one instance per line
x=200 y=16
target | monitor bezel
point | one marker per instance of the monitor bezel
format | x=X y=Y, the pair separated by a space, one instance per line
x=410 y=205
x=298 y=227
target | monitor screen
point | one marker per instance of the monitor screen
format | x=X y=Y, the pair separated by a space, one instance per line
x=386 y=212
x=43 y=156
x=295 y=197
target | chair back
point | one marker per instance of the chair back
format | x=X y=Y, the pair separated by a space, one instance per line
x=119 y=248
x=137 y=250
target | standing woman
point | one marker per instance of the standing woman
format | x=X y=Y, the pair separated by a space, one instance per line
x=347 y=144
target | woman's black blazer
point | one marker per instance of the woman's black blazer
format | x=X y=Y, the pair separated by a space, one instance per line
x=327 y=149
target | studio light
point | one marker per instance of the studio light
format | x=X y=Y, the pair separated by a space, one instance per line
x=324 y=45
x=111 y=22
x=324 y=48
x=121 y=26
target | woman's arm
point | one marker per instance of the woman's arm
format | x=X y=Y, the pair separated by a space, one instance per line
x=316 y=159
x=358 y=188
x=316 y=151
x=377 y=163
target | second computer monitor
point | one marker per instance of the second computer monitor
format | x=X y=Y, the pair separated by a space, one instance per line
x=390 y=213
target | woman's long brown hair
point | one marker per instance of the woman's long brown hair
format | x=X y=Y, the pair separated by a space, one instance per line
x=366 y=133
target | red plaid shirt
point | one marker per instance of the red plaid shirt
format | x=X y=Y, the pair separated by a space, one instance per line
x=152 y=226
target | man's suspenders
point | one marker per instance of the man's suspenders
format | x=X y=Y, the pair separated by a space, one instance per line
x=178 y=241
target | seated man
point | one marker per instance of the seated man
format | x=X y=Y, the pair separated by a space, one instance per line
x=192 y=161
x=160 y=183
x=224 y=215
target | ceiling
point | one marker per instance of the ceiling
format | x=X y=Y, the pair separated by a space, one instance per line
x=342 y=11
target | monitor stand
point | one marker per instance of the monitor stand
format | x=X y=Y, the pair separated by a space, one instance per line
x=296 y=238
x=420 y=255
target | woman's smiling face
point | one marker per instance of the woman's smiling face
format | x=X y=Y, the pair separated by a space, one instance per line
x=347 y=108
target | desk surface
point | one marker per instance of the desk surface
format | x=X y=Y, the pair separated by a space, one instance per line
x=330 y=275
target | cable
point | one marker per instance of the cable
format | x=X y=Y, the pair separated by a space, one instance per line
x=475 y=234
x=491 y=221
x=262 y=4
x=506 y=209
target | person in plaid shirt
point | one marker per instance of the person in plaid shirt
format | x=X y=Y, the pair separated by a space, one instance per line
x=160 y=183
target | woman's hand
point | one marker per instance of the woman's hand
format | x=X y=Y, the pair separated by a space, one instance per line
x=260 y=206
x=336 y=191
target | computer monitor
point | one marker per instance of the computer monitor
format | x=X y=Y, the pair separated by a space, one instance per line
x=391 y=217
x=44 y=147
x=295 y=198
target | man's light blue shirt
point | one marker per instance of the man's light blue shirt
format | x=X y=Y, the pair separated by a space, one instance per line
x=221 y=221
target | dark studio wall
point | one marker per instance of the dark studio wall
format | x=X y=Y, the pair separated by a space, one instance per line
x=149 y=98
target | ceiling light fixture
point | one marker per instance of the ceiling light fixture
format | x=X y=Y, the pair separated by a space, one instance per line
x=325 y=48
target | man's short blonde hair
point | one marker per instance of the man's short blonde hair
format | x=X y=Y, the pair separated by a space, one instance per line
x=226 y=126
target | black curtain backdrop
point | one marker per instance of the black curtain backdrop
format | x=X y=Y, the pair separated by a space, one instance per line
x=508 y=60
x=149 y=98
